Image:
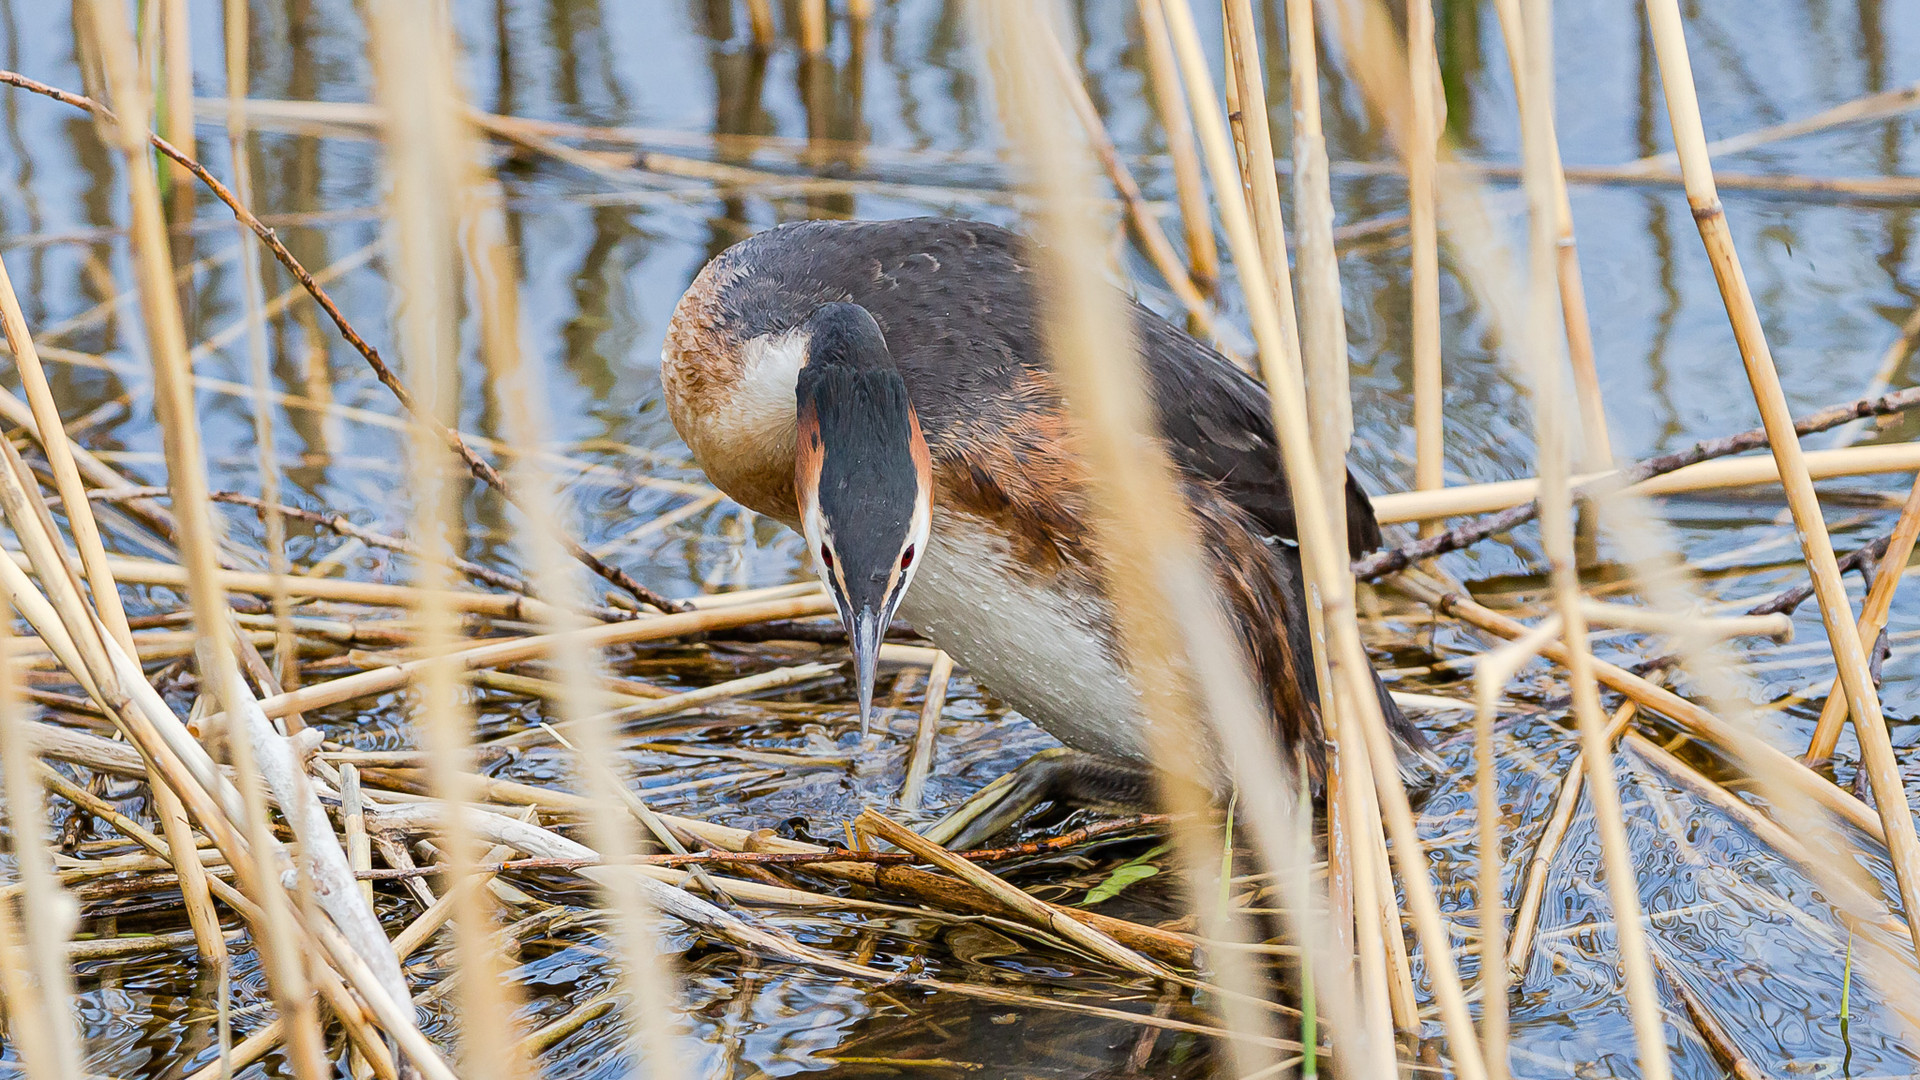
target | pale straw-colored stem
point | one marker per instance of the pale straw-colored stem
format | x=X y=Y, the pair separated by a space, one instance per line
x=1863 y=699
x=760 y=16
x=813 y=26
x=1429 y=424
x=1556 y=531
x=920 y=759
x=255 y=323
x=1703 y=476
x=39 y=992
x=1350 y=673
x=106 y=593
x=176 y=37
x=113 y=45
x=1153 y=239
x=1873 y=620
x=1597 y=449
x=1203 y=252
x=1160 y=592
x=429 y=160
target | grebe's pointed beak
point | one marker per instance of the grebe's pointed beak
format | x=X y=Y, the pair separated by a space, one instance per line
x=865 y=632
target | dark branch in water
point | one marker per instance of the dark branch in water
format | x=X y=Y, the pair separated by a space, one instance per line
x=478 y=466
x=1472 y=532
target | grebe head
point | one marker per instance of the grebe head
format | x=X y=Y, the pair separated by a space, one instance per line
x=862 y=478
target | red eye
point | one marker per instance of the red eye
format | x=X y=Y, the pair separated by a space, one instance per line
x=826 y=556
x=906 y=557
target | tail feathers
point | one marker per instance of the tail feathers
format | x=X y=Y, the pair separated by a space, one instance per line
x=1420 y=767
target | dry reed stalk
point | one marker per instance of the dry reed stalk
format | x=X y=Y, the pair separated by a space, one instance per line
x=1146 y=227
x=1323 y=338
x=1531 y=44
x=234 y=24
x=113 y=50
x=813 y=26
x=513 y=608
x=1596 y=451
x=920 y=758
x=1048 y=918
x=760 y=15
x=648 y=981
x=1429 y=388
x=1405 y=506
x=258 y=751
x=699 y=914
x=1473 y=532
x=106 y=593
x=33 y=960
x=1873 y=620
x=1203 y=253
x=1253 y=147
x=427 y=159
x=1172 y=631
x=1350 y=671
x=176 y=65
x=1492 y=671
x=1876 y=745
x=500 y=653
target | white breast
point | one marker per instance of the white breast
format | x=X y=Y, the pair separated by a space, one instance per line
x=1033 y=647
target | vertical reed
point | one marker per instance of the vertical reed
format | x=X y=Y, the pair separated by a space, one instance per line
x=1174 y=635
x=173 y=401
x=1596 y=450
x=1429 y=390
x=1203 y=252
x=1556 y=533
x=1683 y=111
x=33 y=951
x=414 y=81
x=1350 y=673
x=286 y=666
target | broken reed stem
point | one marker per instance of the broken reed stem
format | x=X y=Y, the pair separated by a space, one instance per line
x=1534 y=30
x=52 y=436
x=1873 y=620
x=1429 y=390
x=1521 y=497
x=39 y=991
x=1683 y=110
x=414 y=82
x=1526 y=914
x=481 y=469
x=1165 y=603
x=1326 y=566
x=173 y=403
x=1047 y=918
x=252 y=286
x=920 y=758
x=1203 y=253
